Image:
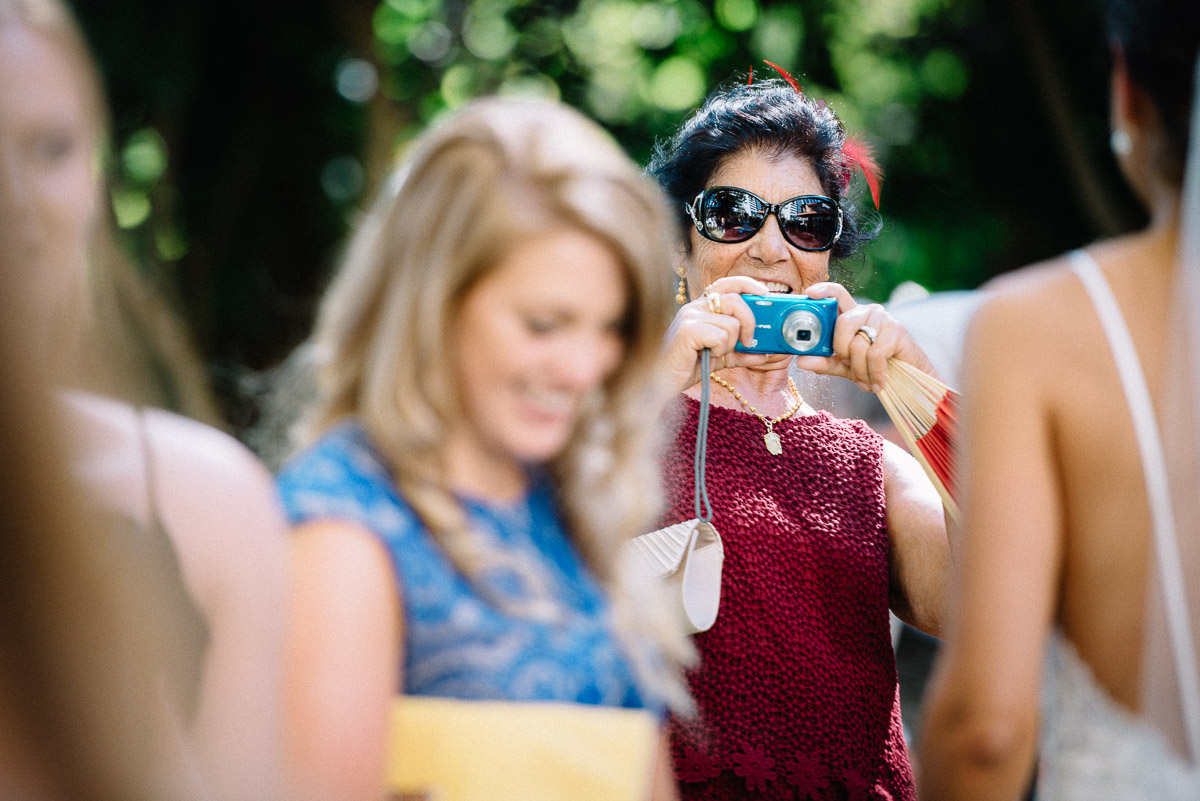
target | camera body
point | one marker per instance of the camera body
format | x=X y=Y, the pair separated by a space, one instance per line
x=791 y=324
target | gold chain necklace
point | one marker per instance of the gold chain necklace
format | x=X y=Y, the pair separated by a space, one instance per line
x=770 y=439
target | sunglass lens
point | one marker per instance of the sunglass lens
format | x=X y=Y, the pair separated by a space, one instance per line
x=810 y=226
x=731 y=216
x=812 y=231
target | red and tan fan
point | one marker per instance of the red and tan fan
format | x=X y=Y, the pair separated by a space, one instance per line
x=925 y=412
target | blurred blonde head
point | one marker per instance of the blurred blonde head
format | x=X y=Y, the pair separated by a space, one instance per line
x=53 y=20
x=490 y=177
x=76 y=652
x=52 y=126
x=94 y=319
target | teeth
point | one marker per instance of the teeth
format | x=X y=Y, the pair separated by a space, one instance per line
x=779 y=288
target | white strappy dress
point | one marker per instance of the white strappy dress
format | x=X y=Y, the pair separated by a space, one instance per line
x=1091 y=746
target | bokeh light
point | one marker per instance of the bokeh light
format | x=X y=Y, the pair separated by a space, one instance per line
x=678 y=84
x=779 y=37
x=342 y=179
x=736 y=15
x=944 y=74
x=144 y=157
x=356 y=79
x=489 y=37
x=430 y=41
x=657 y=25
x=130 y=206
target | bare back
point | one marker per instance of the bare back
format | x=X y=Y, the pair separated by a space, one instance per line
x=1097 y=579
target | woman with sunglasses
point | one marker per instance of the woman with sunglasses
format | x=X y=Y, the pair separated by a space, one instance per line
x=825 y=525
x=478 y=450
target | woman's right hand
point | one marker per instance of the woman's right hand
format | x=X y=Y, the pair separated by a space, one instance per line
x=714 y=324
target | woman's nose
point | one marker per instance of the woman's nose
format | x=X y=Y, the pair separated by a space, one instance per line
x=768 y=245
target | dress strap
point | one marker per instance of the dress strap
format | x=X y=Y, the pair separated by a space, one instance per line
x=1154 y=469
x=149 y=471
x=178 y=622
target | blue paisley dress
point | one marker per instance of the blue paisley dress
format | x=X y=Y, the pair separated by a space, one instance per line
x=457 y=643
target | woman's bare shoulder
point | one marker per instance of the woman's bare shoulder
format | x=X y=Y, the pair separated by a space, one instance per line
x=1029 y=308
x=97 y=423
x=215 y=490
x=216 y=500
x=1049 y=281
x=208 y=453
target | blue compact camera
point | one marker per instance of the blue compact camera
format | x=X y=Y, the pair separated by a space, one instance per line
x=791 y=324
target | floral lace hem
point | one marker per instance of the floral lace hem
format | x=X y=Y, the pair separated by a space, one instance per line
x=808 y=774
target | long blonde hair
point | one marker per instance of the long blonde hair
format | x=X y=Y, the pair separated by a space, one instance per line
x=476 y=185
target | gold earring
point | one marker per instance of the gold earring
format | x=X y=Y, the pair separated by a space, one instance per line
x=681 y=296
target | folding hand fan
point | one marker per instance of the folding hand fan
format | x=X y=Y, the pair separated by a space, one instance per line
x=925 y=412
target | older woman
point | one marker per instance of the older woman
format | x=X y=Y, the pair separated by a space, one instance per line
x=480 y=448
x=825 y=525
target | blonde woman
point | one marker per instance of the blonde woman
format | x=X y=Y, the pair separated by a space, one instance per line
x=480 y=443
x=194 y=504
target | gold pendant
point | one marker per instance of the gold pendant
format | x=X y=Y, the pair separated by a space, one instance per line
x=773 y=443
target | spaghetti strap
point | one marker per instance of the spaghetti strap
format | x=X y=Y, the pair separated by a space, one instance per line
x=149 y=473
x=1154 y=469
x=166 y=593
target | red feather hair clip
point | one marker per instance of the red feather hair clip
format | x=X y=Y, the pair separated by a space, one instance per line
x=792 y=82
x=859 y=154
x=855 y=151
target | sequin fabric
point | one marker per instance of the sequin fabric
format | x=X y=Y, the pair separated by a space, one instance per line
x=796 y=686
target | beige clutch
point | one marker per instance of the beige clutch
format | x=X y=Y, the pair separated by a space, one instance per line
x=688 y=557
x=446 y=749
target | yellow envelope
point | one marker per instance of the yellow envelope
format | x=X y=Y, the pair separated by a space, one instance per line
x=455 y=750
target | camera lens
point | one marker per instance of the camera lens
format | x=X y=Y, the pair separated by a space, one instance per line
x=801 y=330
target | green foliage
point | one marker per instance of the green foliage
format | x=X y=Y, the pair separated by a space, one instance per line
x=245 y=139
x=641 y=66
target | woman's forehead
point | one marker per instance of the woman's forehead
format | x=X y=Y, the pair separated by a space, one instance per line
x=41 y=80
x=768 y=174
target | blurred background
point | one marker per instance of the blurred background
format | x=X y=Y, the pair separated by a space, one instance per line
x=247 y=135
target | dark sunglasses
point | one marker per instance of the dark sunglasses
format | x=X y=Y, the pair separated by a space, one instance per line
x=729 y=214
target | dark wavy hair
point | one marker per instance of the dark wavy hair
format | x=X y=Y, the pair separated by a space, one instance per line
x=1159 y=40
x=769 y=116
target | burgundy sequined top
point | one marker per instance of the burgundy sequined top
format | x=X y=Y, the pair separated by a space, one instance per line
x=796 y=688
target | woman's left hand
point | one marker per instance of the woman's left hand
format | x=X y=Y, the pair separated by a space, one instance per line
x=856 y=356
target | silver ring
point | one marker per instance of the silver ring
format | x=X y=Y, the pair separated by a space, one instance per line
x=870 y=333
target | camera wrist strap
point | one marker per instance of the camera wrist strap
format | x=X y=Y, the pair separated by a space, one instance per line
x=701 y=492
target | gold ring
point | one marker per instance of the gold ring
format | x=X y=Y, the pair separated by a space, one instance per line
x=867 y=331
x=714 y=303
x=722 y=362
